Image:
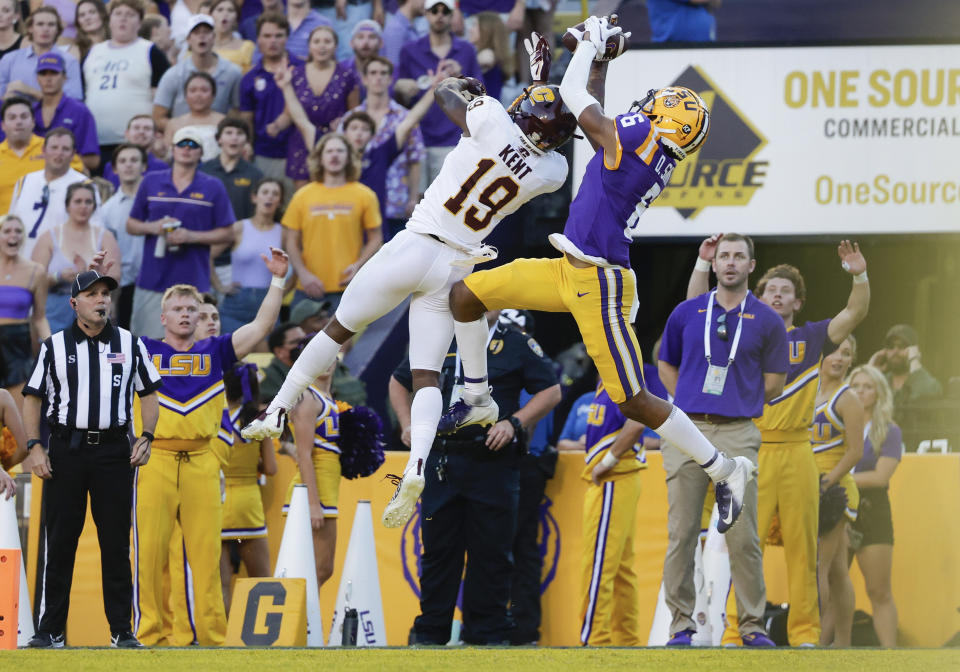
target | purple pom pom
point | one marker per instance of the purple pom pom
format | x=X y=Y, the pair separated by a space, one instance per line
x=361 y=442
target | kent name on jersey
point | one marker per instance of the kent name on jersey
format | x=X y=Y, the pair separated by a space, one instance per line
x=487 y=176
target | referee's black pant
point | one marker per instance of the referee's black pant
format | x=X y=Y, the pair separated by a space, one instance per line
x=103 y=471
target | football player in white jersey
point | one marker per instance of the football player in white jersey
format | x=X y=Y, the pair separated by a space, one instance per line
x=503 y=160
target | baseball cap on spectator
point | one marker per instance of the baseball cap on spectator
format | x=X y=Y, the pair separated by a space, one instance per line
x=367 y=24
x=187 y=133
x=199 y=20
x=449 y=4
x=903 y=334
x=307 y=308
x=87 y=279
x=52 y=62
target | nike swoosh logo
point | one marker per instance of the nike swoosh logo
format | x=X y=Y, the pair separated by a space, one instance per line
x=579 y=294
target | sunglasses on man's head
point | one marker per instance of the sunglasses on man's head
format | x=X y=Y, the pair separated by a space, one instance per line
x=440 y=9
x=722 y=326
x=192 y=144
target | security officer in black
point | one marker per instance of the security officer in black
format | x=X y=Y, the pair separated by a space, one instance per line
x=469 y=503
x=87 y=374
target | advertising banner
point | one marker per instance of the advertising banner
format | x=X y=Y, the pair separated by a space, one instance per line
x=806 y=140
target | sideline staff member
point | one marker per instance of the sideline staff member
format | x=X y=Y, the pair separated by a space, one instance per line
x=723 y=354
x=88 y=373
x=472 y=490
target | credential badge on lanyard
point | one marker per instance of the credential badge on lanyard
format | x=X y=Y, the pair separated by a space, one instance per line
x=717 y=375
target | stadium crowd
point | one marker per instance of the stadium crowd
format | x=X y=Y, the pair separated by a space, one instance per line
x=225 y=163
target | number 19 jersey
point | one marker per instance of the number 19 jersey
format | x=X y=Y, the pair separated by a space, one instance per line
x=487 y=176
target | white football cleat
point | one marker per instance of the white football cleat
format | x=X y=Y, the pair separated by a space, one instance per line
x=265 y=426
x=730 y=492
x=462 y=414
x=401 y=507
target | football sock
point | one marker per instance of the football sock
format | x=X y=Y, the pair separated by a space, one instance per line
x=471 y=344
x=315 y=359
x=680 y=431
x=425 y=414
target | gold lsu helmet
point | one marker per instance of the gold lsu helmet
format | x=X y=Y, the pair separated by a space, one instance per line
x=681 y=117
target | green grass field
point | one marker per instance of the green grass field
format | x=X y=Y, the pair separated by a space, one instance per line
x=482 y=659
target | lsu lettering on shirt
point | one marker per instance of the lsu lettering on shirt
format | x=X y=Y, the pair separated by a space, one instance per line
x=191 y=397
x=828 y=433
x=793 y=411
x=616 y=190
x=487 y=176
x=604 y=422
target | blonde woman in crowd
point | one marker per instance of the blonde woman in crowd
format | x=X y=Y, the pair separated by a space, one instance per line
x=67 y=250
x=23 y=300
x=882 y=451
x=489 y=35
x=837 y=439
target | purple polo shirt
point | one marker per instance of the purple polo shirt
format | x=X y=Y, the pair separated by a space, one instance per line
x=153 y=164
x=74 y=116
x=415 y=59
x=202 y=206
x=397 y=32
x=260 y=94
x=376 y=163
x=762 y=349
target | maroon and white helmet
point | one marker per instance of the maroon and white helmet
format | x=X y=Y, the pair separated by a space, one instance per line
x=542 y=117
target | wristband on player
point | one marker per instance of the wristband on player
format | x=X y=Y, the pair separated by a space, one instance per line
x=147 y=435
x=860 y=278
x=702 y=265
x=33 y=442
x=278 y=282
x=609 y=460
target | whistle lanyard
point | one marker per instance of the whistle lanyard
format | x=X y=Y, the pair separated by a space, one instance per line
x=708 y=324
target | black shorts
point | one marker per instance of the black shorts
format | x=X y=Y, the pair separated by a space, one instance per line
x=16 y=354
x=874 y=519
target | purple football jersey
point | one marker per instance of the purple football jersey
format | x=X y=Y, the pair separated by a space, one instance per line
x=616 y=190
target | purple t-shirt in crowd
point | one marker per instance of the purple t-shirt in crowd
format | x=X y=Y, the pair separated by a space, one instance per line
x=260 y=94
x=74 y=116
x=892 y=447
x=153 y=164
x=415 y=59
x=376 y=163
x=202 y=206
x=762 y=349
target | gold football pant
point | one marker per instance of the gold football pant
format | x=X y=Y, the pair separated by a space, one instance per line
x=179 y=485
x=609 y=613
x=789 y=486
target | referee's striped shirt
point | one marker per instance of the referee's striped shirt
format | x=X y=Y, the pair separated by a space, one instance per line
x=89 y=382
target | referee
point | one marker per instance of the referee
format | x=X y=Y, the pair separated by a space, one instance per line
x=87 y=373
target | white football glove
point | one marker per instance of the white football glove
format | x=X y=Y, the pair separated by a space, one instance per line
x=599 y=30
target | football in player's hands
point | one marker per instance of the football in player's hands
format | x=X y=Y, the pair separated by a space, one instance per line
x=615 y=45
x=471 y=87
